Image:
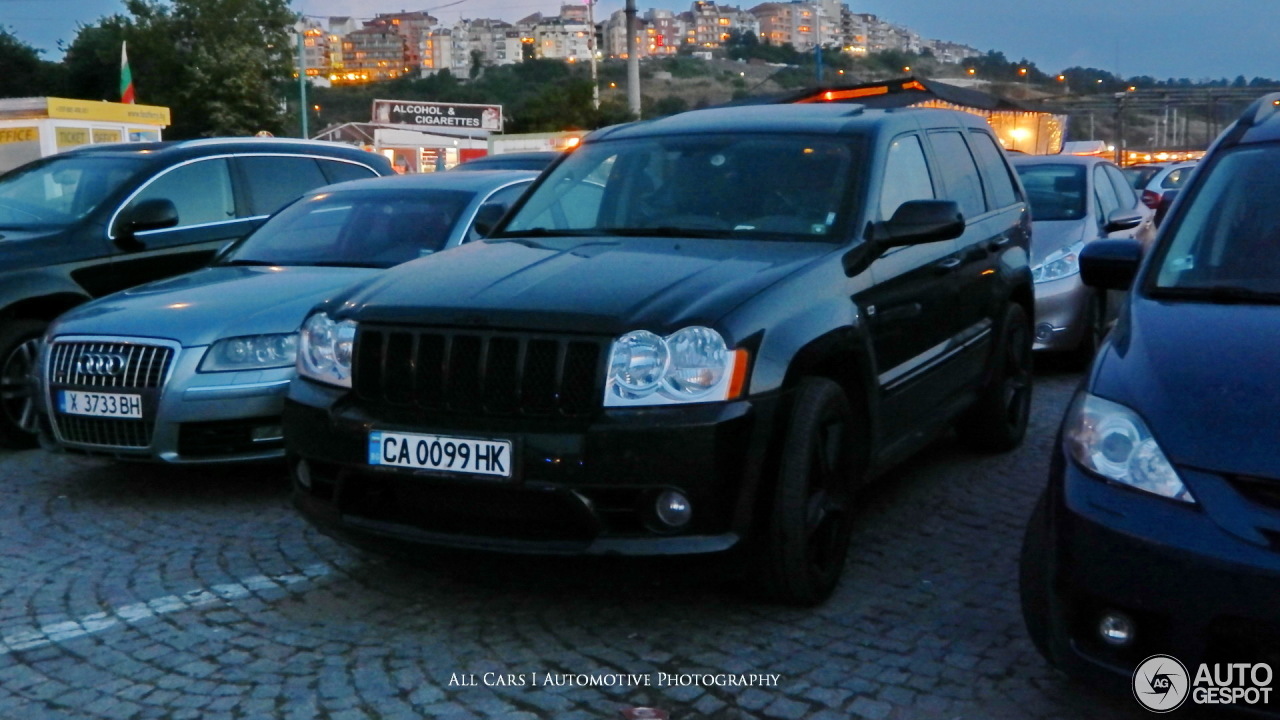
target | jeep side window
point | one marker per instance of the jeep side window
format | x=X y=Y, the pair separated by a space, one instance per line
x=959 y=172
x=200 y=190
x=906 y=175
x=999 y=182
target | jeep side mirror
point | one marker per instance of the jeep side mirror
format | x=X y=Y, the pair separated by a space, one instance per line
x=155 y=214
x=1121 y=219
x=487 y=218
x=921 y=221
x=1110 y=264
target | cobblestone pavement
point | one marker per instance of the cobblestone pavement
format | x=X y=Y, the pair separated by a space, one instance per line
x=152 y=592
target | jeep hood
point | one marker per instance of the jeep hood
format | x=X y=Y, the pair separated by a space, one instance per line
x=605 y=285
x=218 y=302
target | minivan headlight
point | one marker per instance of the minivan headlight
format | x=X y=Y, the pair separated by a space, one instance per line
x=690 y=365
x=1110 y=440
x=1061 y=264
x=325 y=350
x=251 y=352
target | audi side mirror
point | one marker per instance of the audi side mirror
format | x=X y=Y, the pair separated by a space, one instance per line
x=155 y=214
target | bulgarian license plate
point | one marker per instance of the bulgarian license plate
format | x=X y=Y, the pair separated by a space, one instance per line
x=75 y=402
x=437 y=452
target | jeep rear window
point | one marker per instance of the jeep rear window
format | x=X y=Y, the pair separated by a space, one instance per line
x=766 y=186
x=60 y=190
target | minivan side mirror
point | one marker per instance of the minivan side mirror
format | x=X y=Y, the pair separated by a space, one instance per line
x=487 y=218
x=1110 y=264
x=1121 y=219
x=155 y=214
x=921 y=221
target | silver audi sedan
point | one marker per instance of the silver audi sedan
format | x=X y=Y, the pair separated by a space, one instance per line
x=1075 y=200
x=193 y=369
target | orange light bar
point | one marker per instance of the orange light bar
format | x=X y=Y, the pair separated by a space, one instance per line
x=738 y=380
x=833 y=95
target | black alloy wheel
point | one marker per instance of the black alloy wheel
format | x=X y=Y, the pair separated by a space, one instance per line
x=19 y=354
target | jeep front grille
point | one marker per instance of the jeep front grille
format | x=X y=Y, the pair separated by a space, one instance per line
x=480 y=372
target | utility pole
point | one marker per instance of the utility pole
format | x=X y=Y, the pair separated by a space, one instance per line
x=591 y=46
x=633 y=62
x=302 y=75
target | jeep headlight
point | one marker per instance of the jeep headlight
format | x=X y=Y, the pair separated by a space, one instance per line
x=1063 y=263
x=325 y=350
x=251 y=352
x=690 y=365
x=1110 y=440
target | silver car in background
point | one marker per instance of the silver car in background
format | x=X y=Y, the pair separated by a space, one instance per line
x=193 y=369
x=1075 y=200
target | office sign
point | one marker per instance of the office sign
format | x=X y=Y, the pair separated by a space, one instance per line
x=428 y=115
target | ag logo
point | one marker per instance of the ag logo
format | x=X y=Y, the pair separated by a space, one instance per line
x=1160 y=683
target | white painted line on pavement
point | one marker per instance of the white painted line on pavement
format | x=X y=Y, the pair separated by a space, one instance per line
x=16 y=639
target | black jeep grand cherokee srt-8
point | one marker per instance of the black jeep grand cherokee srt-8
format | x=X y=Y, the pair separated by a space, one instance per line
x=692 y=334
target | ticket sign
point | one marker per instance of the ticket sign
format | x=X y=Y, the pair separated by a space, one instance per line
x=71 y=137
x=428 y=115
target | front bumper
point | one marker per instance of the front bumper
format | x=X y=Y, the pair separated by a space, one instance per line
x=189 y=418
x=1199 y=582
x=1060 y=313
x=577 y=487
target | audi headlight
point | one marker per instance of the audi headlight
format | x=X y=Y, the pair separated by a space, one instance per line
x=1063 y=263
x=252 y=352
x=1110 y=440
x=325 y=350
x=690 y=365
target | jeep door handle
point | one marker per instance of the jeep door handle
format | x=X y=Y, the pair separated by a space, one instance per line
x=947 y=265
x=996 y=243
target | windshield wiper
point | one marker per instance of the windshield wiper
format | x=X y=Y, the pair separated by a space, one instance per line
x=541 y=232
x=1219 y=294
x=249 y=263
x=666 y=231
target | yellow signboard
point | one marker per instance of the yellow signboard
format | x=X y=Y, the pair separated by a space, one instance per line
x=107 y=136
x=19 y=134
x=109 y=112
x=71 y=137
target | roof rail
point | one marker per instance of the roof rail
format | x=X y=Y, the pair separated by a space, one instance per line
x=200 y=142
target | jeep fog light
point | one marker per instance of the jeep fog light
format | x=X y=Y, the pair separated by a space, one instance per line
x=673 y=509
x=266 y=433
x=1116 y=629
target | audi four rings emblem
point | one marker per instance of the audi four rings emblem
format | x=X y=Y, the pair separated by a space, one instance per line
x=100 y=363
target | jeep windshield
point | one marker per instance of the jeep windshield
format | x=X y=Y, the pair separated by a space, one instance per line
x=1225 y=247
x=53 y=193
x=765 y=186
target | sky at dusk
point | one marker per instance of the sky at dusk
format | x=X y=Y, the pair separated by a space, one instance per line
x=1162 y=38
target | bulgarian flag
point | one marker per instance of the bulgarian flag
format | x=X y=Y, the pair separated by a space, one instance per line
x=126 y=77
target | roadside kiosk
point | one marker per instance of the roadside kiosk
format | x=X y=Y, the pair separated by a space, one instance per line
x=32 y=128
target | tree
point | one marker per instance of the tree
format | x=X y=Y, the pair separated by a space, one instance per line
x=25 y=74
x=220 y=65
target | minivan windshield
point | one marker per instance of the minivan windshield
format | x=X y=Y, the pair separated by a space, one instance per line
x=767 y=186
x=355 y=228
x=1226 y=245
x=55 y=192
x=1056 y=192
